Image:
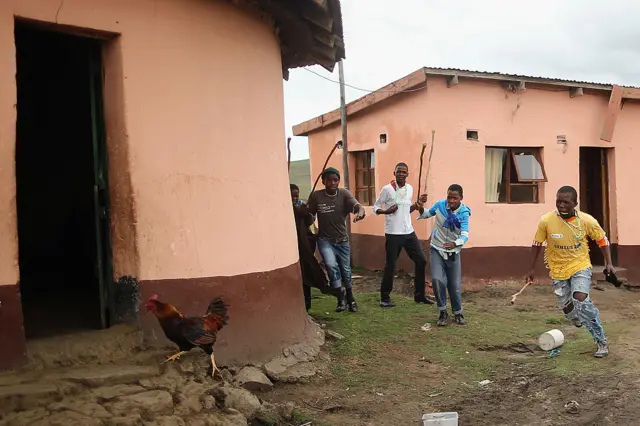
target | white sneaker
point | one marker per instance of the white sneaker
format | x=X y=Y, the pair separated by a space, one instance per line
x=603 y=350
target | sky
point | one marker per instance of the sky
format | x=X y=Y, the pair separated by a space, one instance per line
x=587 y=40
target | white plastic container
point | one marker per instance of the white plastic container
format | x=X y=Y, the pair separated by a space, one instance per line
x=440 y=419
x=551 y=339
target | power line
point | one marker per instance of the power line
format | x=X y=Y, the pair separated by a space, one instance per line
x=365 y=90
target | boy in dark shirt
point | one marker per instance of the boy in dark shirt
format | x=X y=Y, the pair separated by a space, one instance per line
x=332 y=205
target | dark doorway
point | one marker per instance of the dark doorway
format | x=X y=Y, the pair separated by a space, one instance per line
x=62 y=202
x=594 y=192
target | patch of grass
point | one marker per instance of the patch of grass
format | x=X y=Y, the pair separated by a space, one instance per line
x=383 y=346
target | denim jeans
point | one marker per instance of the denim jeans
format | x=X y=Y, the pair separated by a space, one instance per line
x=446 y=274
x=585 y=311
x=393 y=245
x=337 y=260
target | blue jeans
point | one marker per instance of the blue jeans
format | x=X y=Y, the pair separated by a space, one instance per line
x=446 y=274
x=585 y=312
x=337 y=259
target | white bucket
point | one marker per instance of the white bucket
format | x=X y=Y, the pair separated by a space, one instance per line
x=440 y=419
x=551 y=339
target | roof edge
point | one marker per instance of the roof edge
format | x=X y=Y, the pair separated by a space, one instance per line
x=420 y=76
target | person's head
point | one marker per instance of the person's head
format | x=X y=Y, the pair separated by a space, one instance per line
x=454 y=196
x=295 y=192
x=566 y=201
x=401 y=172
x=331 y=179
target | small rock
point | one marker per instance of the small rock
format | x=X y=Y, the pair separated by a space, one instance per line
x=187 y=404
x=208 y=402
x=112 y=375
x=242 y=400
x=25 y=418
x=167 y=421
x=286 y=410
x=150 y=403
x=226 y=375
x=86 y=408
x=217 y=419
x=67 y=418
x=298 y=373
x=112 y=392
x=572 y=407
x=253 y=380
x=131 y=420
x=334 y=335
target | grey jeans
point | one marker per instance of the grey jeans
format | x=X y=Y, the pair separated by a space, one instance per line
x=446 y=275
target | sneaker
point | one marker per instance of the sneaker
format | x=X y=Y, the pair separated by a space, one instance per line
x=351 y=301
x=423 y=299
x=603 y=350
x=576 y=322
x=387 y=304
x=342 y=305
x=444 y=319
x=460 y=320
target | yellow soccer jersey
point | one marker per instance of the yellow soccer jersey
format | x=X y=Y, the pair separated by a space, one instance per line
x=567 y=250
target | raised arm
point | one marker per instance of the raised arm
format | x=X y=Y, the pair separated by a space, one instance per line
x=536 y=247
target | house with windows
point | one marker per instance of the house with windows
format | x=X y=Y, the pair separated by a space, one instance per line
x=133 y=139
x=511 y=141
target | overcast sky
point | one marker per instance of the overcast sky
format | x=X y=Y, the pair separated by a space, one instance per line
x=586 y=40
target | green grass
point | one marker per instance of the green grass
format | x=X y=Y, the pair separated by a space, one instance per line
x=382 y=344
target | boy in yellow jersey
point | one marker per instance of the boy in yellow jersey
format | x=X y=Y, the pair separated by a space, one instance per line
x=567 y=256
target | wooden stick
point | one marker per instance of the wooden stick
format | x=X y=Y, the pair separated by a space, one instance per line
x=424 y=146
x=433 y=141
x=324 y=167
x=289 y=155
x=514 y=297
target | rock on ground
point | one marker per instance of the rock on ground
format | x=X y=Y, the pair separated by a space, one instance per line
x=150 y=403
x=253 y=380
x=239 y=399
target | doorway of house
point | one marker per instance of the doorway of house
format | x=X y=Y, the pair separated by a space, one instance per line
x=594 y=192
x=61 y=183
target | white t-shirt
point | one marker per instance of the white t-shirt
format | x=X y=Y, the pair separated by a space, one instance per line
x=398 y=223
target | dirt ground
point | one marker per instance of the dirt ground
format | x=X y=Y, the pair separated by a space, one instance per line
x=526 y=388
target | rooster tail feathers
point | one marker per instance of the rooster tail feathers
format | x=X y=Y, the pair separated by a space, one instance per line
x=218 y=309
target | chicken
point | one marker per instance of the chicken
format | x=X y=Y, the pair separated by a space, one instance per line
x=189 y=332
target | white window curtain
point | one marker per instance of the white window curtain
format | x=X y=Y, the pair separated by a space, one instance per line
x=494 y=164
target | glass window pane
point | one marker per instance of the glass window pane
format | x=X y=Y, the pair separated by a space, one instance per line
x=372 y=178
x=363 y=196
x=372 y=162
x=527 y=166
x=524 y=193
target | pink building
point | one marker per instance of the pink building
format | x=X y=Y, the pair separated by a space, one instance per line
x=135 y=138
x=510 y=141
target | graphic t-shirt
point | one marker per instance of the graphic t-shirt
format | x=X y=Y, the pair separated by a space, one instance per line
x=332 y=211
x=567 y=250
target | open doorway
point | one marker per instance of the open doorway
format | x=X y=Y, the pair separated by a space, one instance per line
x=594 y=192
x=61 y=183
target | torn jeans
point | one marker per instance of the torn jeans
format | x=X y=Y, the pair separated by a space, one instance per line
x=586 y=312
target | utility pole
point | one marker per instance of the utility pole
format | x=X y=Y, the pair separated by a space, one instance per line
x=343 y=121
x=345 y=145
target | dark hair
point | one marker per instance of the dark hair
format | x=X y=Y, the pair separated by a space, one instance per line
x=569 y=190
x=456 y=188
x=293 y=186
x=401 y=164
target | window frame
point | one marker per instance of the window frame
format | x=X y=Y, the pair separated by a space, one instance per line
x=510 y=161
x=359 y=186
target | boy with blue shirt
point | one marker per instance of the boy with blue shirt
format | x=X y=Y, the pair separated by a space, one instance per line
x=450 y=233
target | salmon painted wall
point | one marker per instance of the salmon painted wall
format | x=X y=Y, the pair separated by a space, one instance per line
x=533 y=118
x=202 y=110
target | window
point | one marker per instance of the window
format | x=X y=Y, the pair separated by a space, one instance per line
x=365 y=177
x=513 y=175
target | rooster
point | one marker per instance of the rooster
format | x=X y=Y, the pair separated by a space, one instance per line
x=189 y=332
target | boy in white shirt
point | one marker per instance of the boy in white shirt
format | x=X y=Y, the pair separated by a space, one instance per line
x=397 y=199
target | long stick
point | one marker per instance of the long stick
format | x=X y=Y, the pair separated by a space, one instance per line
x=424 y=146
x=289 y=155
x=324 y=167
x=433 y=141
x=514 y=297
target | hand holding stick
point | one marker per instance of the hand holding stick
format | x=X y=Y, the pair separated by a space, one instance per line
x=514 y=297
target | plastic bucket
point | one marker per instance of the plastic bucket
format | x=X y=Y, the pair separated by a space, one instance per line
x=440 y=419
x=551 y=339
